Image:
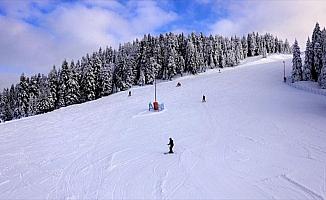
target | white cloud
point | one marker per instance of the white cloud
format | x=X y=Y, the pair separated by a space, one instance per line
x=70 y=30
x=286 y=19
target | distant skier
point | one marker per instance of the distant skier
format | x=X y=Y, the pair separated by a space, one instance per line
x=150 y=106
x=129 y=94
x=178 y=84
x=204 y=99
x=219 y=71
x=171 y=145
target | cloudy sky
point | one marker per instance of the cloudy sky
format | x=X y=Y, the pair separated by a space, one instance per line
x=35 y=35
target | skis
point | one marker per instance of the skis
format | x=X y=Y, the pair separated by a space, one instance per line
x=167 y=153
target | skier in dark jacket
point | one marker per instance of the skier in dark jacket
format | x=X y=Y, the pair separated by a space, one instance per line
x=204 y=99
x=171 y=145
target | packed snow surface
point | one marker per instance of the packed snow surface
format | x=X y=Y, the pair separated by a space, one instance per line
x=254 y=138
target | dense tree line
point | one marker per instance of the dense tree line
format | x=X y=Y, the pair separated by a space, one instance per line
x=134 y=63
x=314 y=67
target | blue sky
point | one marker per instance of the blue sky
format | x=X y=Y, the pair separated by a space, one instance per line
x=35 y=35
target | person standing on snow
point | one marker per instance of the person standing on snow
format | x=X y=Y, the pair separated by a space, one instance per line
x=171 y=145
x=204 y=99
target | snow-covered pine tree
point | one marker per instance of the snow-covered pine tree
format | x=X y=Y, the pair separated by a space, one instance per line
x=318 y=63
x=17 y=113
x=171 y=67
x=72 y=86
x=264 y=53
x=131 y=65
x=181 y=65
x=106 y=79
x=45 y=101
x=230 y=52
x=8 y=104
x=23 y=96
x=244 y=45
x=322 y=76
x=6 y=112
x=222 y=60
x=287 y=48
x=63 y=80
x=2 y=105
x=316 y=35
x=297 y=63
x=33 y=94
x=238 y=50
x=141 y=80
x=122 y=71
x=145 y=70
x=308 y=62
x=190 y=57
x=89 y=82
x=259 y=47
x=154 y=66
x=13 y=100
x=96 y=65
x=199 y=53
x=53 y=84
x=217 y=50
x=323 y=40
x=251 y=44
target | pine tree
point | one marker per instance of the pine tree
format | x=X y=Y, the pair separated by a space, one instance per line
x=264 y=53
x=63 y=80
x=45 y=101
x=308 y=62
x=317 y=61
x=251 y=44
x=53 y=84
x=190 y=57
x=89 y=84
x=323 y=40
x=106 y=79
x=297 y=63
x=322 y=76
x=171 y=67
x=34 y=91
x=287 y=48
x=23 y=96
x=154 y=66
x=72 y=86
x=6 y=111
x=96 y=66
x=316 y=35
x=141 y=80
x=244 y=45
x=2 y=106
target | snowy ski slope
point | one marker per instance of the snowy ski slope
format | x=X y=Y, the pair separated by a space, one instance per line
x=254 y=138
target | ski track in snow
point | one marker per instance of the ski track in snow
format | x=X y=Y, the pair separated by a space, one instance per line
x=312 y=194
x=254 y=138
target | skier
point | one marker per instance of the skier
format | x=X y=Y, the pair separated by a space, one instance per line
x=219 y=71
x=178 y=84
x=171 y=145
x=204 y=99
x=129 y=94
x=150 y=106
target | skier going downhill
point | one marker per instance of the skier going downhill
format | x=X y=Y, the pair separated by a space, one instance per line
x=171 y=145
x=204 y=99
